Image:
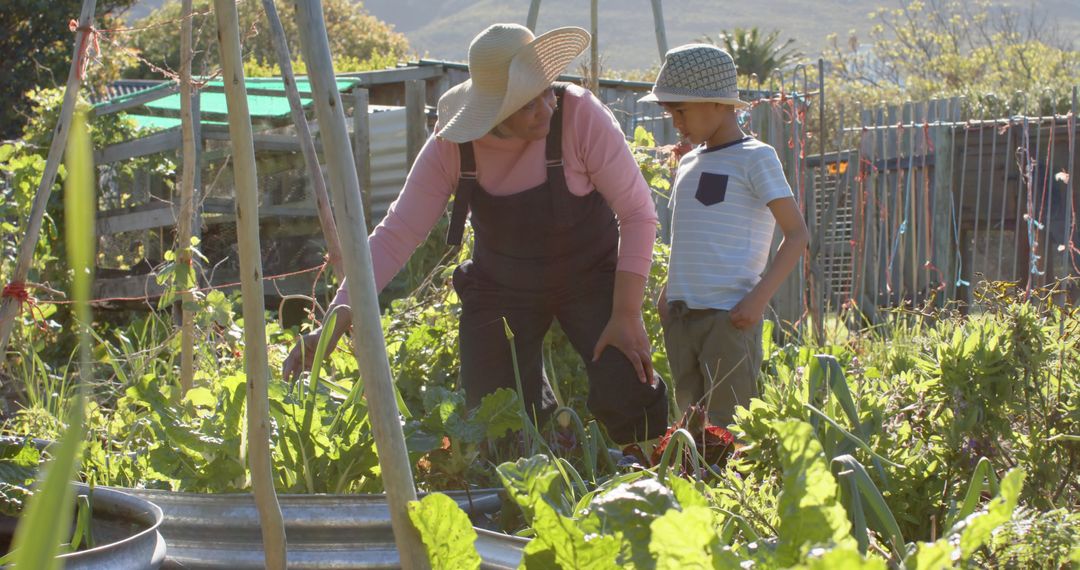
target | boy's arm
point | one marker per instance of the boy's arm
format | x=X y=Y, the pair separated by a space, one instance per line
x=750 y=310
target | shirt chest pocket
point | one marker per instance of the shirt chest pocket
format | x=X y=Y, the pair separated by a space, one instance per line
x=712 y=188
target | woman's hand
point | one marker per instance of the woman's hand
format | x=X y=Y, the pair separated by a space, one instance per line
x=302 y=356
x=626 y=332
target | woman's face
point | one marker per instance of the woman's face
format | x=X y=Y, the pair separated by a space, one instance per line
x=532 y=121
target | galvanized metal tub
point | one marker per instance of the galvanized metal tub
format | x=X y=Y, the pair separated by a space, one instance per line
x=126 y=528
x=324 y=531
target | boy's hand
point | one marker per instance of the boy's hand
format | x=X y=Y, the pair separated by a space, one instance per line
x=748 y=312
x=627 y=333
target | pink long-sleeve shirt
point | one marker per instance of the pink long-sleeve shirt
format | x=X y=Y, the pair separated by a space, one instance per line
x=595 y=156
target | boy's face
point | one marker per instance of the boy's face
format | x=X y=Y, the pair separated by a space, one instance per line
x=698 y=121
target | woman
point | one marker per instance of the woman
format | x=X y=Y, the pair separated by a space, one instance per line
x=541 y=167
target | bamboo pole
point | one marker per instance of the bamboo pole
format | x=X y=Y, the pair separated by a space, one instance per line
x=251 y=287
x=307 y=145
x=184 y=269
x=369 y=345
x=594 y=47
x=9 y=307
x=661 y=32
x=534 y=14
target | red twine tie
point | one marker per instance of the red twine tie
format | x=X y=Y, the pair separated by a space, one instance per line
x=17 y=290
x=90 y=37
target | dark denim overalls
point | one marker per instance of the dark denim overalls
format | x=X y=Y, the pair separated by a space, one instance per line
x=541 y=254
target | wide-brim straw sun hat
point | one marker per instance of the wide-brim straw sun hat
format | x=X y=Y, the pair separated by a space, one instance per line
x=697 y=73
x=508 y=67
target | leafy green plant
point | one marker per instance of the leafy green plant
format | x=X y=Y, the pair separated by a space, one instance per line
x=447 y=533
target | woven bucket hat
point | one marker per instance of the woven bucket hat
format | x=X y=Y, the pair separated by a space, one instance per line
x=697 y=73
x=508 y=67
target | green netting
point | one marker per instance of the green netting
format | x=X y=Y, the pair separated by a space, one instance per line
x=268 y=100
x=210 y=103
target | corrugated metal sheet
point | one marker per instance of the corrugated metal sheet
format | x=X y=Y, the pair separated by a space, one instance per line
x=388 y=159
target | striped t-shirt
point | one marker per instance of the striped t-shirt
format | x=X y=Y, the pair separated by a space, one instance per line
x=721 y=226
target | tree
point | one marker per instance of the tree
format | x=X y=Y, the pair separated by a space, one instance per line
x=980 y=50
x=755 y=54
x=354 y=33
x=37 y=47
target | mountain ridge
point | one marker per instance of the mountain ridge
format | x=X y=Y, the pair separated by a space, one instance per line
x=442 y=29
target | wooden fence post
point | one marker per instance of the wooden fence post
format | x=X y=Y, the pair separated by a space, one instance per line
x=945 y=213
x=256 y=366
x=10 y=306
x=415 y=119
x=368 y=342
x=362 y=150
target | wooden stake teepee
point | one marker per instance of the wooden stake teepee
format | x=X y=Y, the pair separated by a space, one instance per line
x=369 y=344
x=247 y=229
x=9 y=306
x=307 y=145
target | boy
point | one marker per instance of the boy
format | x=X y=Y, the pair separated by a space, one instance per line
x=729 y=193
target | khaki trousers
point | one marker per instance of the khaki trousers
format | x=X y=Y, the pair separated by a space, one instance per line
x=712 y=362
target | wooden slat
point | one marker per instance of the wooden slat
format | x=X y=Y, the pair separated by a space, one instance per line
x=152 y=144
x=401 y=75
x=128 y=220
x=137 y=286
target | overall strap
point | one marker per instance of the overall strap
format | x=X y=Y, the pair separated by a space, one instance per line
x=466 y=183
x=556 y=176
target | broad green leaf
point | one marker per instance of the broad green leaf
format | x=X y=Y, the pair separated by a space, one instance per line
x=688 y=539
x=537 y=487
x=462 y=430
x=532 y=480
x=846 y=558
x=499 y=412
x=447 y=533
x=810 y=512
x=572 y=547
x=201 y=397
x=626 y=512
x=539 y=555
x=931 y=556
x=687 y=493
